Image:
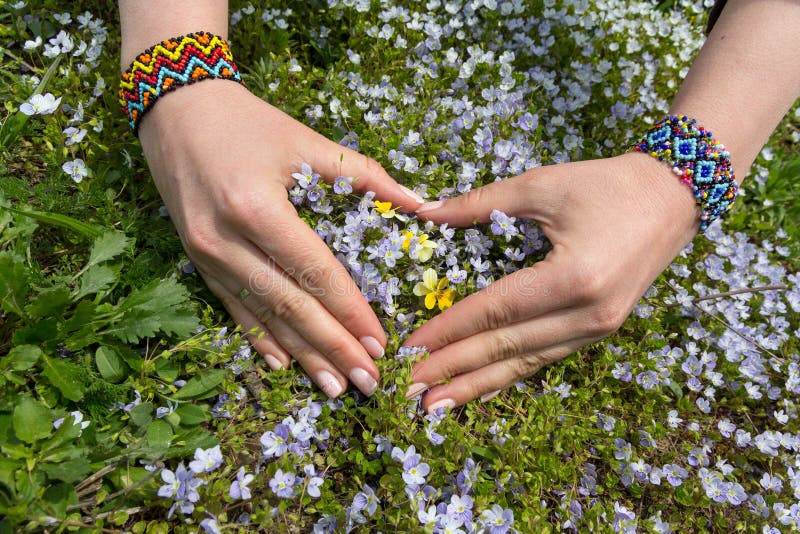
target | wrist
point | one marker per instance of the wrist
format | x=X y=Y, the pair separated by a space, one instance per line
x=672 y=202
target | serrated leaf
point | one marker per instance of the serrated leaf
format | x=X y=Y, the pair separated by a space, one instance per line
x=108 y=246
x=64 y=376
x=22 y=357
x=202 y=385
x=32 y=421
x=161 y=305
x=110 y=365
x=51 y=302
x=95 y=280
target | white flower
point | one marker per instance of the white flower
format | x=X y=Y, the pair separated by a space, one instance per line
x=40 y=105
x=74 y=135
x=31 y=45
x=76 y=169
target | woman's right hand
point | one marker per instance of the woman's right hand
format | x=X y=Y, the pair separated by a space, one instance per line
x=222 y=160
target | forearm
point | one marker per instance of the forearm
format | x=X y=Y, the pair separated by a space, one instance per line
x=746 y=76
x=146 y=23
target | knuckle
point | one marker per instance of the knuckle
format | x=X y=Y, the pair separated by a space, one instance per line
x=606 y=317
x=589 y=283
x=201 y=242
x=497 y=314
x=263 y=313
x=474 y=199
x=506 y=345
x=315 y=277
x=530 y=363
x=289 y=307
x=373 y=168
x=338 y=352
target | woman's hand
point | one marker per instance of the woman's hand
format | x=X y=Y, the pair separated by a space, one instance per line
x=614 y=224
x=223 y=160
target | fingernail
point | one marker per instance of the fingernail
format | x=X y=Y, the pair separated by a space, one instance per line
x=374 y=348
x=444 y=403
x=412 y=194
x=415 y=389
x=363 y=381
x=273 y=362
x=328 y=383
x=489 y=396
x=430 y=206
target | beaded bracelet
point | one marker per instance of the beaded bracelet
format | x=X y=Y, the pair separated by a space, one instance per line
x=698 y=159
x=171 y=64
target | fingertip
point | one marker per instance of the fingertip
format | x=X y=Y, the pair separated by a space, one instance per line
x=412 y=195
x=373 y=347
x=274 y=363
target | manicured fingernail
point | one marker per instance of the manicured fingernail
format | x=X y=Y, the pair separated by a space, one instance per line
x=430 y=206
x=489 y=396
x=273 y=362
x=374 y=348
x=415 y=389
x=328 y=383
x=444 y=403
x=363 y=381
x=412 y=194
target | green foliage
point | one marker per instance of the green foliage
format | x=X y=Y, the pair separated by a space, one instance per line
x=97 y=317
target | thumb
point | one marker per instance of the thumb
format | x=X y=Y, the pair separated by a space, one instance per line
x=515 y=197
x=335 y=160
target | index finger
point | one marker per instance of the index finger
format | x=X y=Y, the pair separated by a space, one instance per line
x=519 y=296
x=300 y=252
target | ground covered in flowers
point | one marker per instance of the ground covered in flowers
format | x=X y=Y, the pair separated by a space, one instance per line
x=131 y=402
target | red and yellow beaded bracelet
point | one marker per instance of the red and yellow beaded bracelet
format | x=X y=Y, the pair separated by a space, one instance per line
x=171 y=64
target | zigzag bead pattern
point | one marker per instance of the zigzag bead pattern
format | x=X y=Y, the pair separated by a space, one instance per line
x=171 y=64
x=698 y=159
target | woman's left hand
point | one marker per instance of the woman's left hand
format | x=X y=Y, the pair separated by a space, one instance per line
x=614 y=224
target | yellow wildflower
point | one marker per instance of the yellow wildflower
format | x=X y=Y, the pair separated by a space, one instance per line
x=424 y=247
x=387 y=211
x=434 y=290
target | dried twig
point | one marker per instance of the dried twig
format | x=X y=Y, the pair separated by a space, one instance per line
x=759 y=289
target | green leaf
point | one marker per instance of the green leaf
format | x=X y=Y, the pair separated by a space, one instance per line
x=110 y=365
x=32 y=421
x=51 y=302
x=202 y=385
x=108 y=246
x=70 y=471
x=96 y=279
x=159 y=434
x=13 y=283
x=64 y=376
x=191 y=414
x=22 y=357
x=142 y=414
x=57 y=499
x=161 y=305
x=63 y=221
x=185 y=443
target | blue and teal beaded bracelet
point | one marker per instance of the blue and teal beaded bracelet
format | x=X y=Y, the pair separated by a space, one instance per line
x=698 y=159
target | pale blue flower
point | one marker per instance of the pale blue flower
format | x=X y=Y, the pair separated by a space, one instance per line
x=206 y=460
x=239 y=489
